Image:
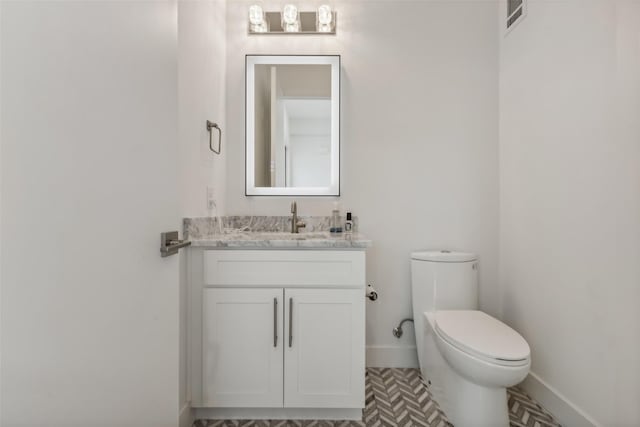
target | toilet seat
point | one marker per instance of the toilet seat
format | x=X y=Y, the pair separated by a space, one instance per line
x=482 y=336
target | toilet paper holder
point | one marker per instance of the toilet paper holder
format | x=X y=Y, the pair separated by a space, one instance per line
x=372 y=294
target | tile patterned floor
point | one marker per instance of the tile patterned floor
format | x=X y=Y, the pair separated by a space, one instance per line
x=399 y=398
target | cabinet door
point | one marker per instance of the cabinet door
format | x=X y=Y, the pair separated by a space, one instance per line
x=324 y=348
x=242 y=347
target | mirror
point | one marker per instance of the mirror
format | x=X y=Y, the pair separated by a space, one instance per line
x=292 y=125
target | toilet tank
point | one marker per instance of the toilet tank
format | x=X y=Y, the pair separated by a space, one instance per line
x=443 y=280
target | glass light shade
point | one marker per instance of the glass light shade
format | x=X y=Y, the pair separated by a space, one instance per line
x=324 y=15
x=256 y=19
x=256 y=15
x=290 y=14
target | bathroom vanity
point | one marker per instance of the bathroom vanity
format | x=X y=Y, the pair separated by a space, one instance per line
x=277 y=326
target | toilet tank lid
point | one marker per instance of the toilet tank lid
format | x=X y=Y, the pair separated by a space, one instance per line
x=443 y=256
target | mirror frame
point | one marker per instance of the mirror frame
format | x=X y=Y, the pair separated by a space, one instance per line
x=250 y=62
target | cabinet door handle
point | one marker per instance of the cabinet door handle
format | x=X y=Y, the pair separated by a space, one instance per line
x=275 y=322
x=290 y=322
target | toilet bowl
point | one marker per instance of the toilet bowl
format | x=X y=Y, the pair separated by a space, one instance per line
x=474 y=381
x=467 y=357
x=482 y=349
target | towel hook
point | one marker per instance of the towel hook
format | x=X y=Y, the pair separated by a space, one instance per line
x=211 y=125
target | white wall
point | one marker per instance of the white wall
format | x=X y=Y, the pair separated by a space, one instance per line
x=201 y=97
x=419 y=139
x=89 y=140
x=201 y=82
x=570 y=204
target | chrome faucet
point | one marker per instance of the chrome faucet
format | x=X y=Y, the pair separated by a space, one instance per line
x=295 y=224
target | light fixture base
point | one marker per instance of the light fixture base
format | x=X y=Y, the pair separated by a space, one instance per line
x=308 y=25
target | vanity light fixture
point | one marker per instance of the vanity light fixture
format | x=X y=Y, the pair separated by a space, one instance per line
x=291 y=21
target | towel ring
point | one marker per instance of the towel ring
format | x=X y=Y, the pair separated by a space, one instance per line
x=211 y=125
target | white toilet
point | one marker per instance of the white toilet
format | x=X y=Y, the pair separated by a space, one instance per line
x=467 y=357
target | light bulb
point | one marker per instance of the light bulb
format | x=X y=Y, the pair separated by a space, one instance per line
x=324 y=15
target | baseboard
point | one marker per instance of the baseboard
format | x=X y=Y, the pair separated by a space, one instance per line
x=387 y=356
x=185 y=418
x=562 y=409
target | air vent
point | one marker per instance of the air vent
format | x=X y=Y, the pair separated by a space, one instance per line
x=515 y=12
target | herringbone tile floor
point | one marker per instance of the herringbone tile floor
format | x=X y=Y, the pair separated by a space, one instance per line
x=399 y=398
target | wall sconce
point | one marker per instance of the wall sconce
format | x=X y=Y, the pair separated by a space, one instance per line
x=291 y=21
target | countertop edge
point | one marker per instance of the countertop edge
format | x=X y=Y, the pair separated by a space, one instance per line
x=281 y=244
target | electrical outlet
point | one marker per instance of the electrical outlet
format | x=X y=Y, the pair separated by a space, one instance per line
x=211 y=199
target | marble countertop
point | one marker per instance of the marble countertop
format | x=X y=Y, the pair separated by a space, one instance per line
x=281 y=240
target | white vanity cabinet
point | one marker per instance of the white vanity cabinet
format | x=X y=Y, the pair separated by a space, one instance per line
x=324 y=352
x=242 y=347
x=275 y=333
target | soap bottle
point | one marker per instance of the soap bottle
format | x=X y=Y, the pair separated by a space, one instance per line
x=336 y=225
x=348 y=224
